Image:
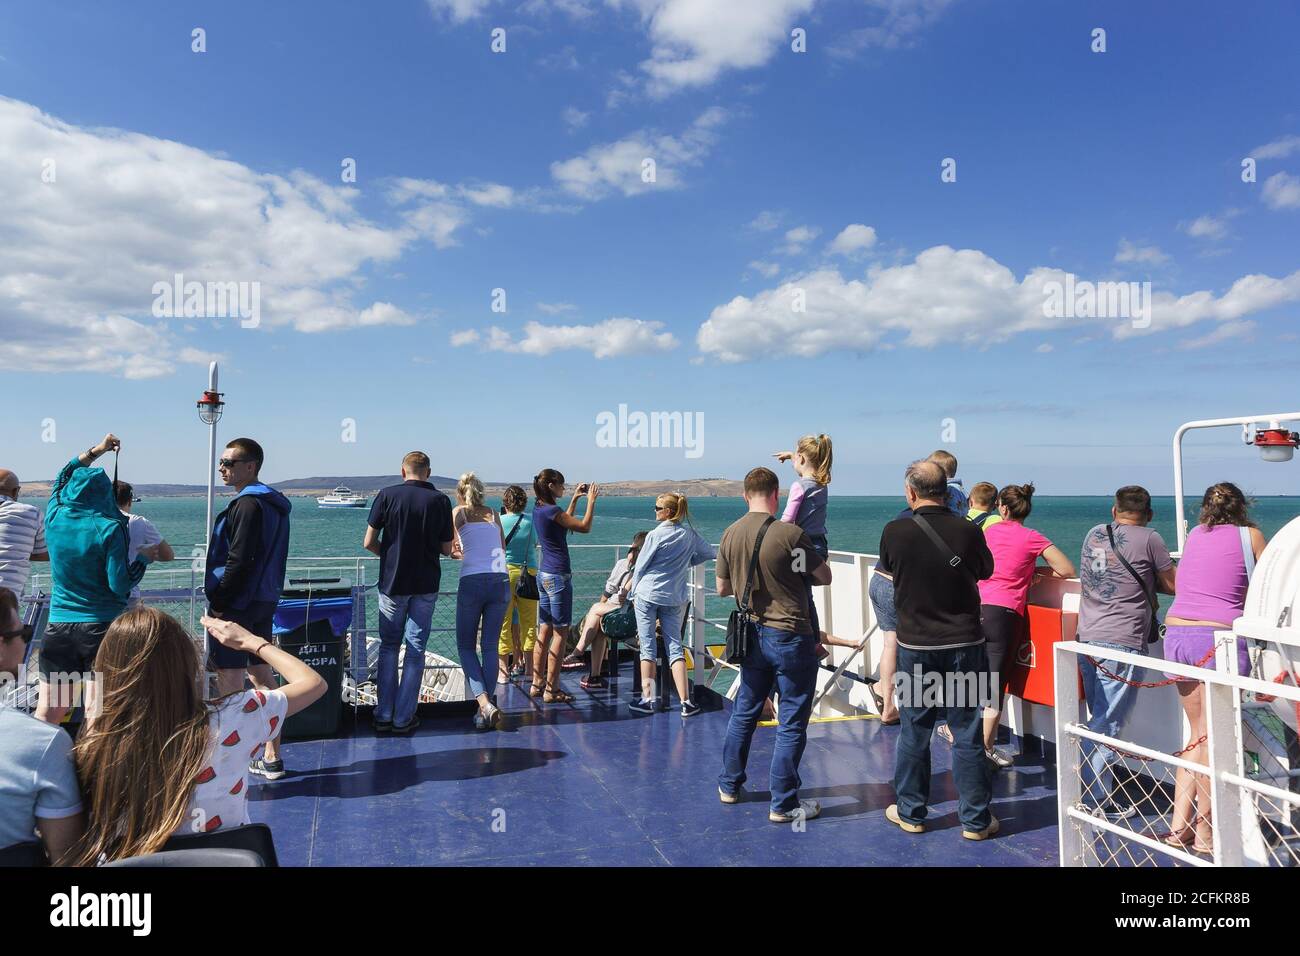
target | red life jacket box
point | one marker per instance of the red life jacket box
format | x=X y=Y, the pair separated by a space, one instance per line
x=1033 y=672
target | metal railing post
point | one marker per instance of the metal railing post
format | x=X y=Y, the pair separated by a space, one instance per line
x=1224 y=755
x=1068 y=756
x=699 y=585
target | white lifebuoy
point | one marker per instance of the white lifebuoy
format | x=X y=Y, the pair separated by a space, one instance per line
x=1273 y=596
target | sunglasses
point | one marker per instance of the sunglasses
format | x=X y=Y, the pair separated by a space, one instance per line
x=231 y=462
x=25 y=632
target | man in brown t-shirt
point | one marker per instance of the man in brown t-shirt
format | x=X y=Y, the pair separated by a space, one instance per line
x=784 y=655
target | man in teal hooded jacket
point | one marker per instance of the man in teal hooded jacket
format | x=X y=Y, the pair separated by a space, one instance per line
x=87 y=540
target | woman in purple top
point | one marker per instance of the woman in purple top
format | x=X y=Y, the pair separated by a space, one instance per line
x=555 y=577
x=1213 y=573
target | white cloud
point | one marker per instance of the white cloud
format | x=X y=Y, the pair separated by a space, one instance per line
x=490 y=194
x=1278 y=149
x=556 y=308
x=944 y=296
x=465 y=337
x=1282 y=191
x=1045 y=348
x=574 y=118
x=900 y=22
x=79 y=256
x=765 y=221
x=1205 y=227
x=1129 y=252
x=693 y=42
x=1239 y=331
x=610 y=168
x=608 y=339
x=797 y=239
x=768 y=270
x=853 y=240
x=458 y=11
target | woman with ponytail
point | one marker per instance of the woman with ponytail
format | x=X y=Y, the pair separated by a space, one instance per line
x=660 y=592
x=481 y=595
x=555 y=577
x=158 y=760
x=1004 y=598
x=1213 y=574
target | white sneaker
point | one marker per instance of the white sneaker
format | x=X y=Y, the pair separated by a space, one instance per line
x=807 y=810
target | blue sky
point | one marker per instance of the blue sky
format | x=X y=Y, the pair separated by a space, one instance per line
x=776 y=171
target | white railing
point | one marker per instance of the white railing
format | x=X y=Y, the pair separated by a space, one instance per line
x=1252 y=822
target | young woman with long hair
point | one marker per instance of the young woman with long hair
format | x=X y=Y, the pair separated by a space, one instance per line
x=160 y=760
x=1213 y=575
x=660 y=592
x=481 y=595
x=555 y=577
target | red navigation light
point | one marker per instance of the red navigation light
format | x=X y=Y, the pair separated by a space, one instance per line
x=1276 y=444
x=210 y=406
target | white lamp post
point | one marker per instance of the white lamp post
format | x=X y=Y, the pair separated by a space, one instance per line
x=210 y=407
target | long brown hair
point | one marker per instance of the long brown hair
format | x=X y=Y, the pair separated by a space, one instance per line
x=138 y=760
x=1018 y=500
x=1225 y=503
x=634 y=549
x=542 y=482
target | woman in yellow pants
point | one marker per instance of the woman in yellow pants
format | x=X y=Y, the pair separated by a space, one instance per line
x=519 y=629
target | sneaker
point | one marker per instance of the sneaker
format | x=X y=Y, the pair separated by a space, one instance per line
x=645 y=705
x=690 y=708
x=807 y=810
x=728 y=797
x=891 y=814
x=405 y=730
x=573 y=662
x=382 y=727
x=984 y=834
x=270 y=769
x=999 y=759
x=1114 y=810
x=592 y=683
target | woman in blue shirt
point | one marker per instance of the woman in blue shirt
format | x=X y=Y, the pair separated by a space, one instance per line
x=555 y=577
x=660 y=591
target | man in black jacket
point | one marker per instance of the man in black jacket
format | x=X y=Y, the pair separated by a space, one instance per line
x=936 y=558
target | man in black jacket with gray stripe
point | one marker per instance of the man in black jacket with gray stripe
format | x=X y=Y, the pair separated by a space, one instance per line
x=936 y=559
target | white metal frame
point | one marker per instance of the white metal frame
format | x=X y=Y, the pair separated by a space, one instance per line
x=1275 y=420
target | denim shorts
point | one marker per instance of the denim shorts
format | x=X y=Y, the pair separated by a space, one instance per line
x=554 y=598
x=670 y=624
x=882 y=602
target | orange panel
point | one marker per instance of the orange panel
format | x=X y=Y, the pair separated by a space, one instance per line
x=1033 y=673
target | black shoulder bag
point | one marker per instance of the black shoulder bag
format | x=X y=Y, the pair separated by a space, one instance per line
x=741 y=630
x=1155 y=630
x=942 y=545
x=526 y=587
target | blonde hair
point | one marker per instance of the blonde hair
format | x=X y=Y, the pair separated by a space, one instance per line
x=817 y=449
x=470 y=490
x=676 y=505
x=945 y=460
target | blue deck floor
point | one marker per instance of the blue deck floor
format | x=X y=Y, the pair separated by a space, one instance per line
x=591 y=784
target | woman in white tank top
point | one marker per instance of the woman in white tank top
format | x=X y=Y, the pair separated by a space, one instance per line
x=481 y=596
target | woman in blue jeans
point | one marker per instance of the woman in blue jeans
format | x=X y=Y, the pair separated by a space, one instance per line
x=555 y=577
x=481 y=595
x=660 y=591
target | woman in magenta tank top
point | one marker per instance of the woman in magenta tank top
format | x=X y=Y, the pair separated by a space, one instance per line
x=1213 y=574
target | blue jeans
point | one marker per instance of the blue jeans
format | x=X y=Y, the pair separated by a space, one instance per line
x=820 y=546
x=789 y=661
x=402 y=618
x=481 y=602
x=670 y=620
x=1109 y=703
x=554 y=598
x=970 y=768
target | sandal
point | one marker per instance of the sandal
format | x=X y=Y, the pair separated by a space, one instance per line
x=557 y=696
x=876 y=699
x=536 y=690
x=1173 y=839
x=592 y=683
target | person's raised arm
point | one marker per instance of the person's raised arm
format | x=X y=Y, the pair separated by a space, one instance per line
x=1061 y=566
x=792 y=503
x=568 y=522
x=165 y=551
x=304 y=686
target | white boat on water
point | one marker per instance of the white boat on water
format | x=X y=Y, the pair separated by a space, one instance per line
x=342 y=497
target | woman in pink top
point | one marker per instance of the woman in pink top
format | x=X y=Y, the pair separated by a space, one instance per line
x=1212 y=576
x=1004 y=598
